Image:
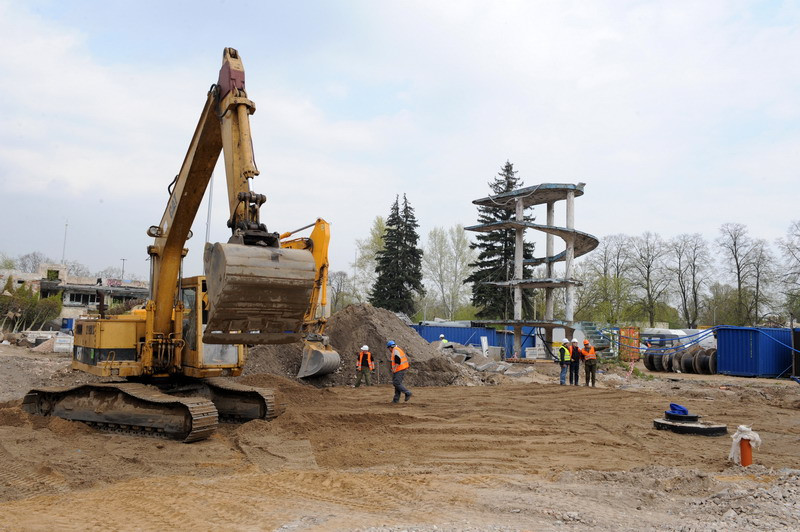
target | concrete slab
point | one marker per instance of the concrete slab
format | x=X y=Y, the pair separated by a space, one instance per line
x=458 y=357
x=489 y=366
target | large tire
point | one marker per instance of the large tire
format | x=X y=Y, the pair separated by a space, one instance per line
x=676 y=361
x=687 y=363
x=647 y=358
x=704 y=364
x=666 y=360
x=658 y=360
x=712 y=361
x=696 y=362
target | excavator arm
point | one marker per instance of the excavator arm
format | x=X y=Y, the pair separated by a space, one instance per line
x=318 y=356
x=258 y=292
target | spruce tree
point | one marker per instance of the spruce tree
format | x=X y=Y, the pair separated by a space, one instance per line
x=399 y=263
x=496 y=256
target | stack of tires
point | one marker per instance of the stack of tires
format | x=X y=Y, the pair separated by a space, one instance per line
x=694 y=359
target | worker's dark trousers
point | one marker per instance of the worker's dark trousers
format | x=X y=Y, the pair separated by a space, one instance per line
x=574 y=371
x=363 y=372
x=590 y=366
x=397 y=380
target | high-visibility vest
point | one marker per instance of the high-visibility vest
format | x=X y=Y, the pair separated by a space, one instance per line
x=360 y=360
x=566 y=353
x=397 y=352
x=589 y=354
x=444 y=340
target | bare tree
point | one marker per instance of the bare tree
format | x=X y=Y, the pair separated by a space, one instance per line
x=337 y=290
x=111 y=272
x=364 y=265
x=7 y=263
x=608 y=268
x=30 y=262
x=790 y=249
x=649 y=272
x=689 y=265
x=737 y=247
x=445 y=264
x=77 y=269
x=763 y=272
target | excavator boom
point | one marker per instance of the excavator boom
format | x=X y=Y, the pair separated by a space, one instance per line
x=258 y=293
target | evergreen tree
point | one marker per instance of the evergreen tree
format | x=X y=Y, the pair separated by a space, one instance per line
x=399 y=263
x=496 y=256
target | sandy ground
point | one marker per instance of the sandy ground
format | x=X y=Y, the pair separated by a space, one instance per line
x=525 y=454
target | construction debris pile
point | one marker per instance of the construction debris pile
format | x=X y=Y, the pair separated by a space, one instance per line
x=348 y=330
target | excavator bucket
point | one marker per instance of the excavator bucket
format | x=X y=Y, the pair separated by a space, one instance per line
x=318 y=359
x=256 y=295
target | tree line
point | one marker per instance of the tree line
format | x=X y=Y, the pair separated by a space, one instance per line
x=686 y=280
x=30 y=263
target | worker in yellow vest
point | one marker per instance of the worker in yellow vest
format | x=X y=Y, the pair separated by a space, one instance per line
x=399 y=362
x=589 y=361
x=364 y=365
x=564 y=356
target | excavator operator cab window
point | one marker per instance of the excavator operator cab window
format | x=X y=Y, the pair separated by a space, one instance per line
x=189 y=297
x=204 y=304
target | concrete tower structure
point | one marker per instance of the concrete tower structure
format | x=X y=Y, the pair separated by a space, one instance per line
x=577 y=243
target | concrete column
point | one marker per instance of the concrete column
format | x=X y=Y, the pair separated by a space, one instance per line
x=548 y=313
x=518 y=254
x=570 y=256
x=548 y=292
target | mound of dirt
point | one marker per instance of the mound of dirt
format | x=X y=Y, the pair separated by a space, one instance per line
x=348 y=330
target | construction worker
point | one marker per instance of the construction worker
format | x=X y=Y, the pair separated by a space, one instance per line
x=364 y=365
x=399 y=362
x=589 y=361
x=575 y=363
x=564 y=356
x=442 y=339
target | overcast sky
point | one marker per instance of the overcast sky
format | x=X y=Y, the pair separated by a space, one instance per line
x=678 y=116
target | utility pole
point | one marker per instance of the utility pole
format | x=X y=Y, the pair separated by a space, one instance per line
x=123 y=269
x=64 y=247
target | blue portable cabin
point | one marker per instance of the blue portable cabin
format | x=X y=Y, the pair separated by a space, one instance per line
x=754 y=352
x=472 y=336
x=462 y=335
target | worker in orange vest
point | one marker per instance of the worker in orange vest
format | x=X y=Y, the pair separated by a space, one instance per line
x=364 y=365
x=399 y=362
x=589 y=361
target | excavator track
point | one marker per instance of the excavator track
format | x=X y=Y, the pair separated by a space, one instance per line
x=235 y=403
x=131 y=408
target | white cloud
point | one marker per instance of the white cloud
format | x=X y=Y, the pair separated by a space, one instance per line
x=678 y=116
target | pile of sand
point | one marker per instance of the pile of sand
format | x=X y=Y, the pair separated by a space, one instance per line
x=46 y=346
x=348 y=330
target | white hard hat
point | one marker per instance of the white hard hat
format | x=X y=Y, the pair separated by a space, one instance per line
x=565 y=341
x=574 y=340
x=441 y=336
x=365 y=348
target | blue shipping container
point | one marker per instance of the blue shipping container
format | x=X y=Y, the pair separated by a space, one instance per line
x=754 y=352
x=462 y=335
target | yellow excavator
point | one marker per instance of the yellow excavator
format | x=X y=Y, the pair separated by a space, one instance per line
x=168 y=361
